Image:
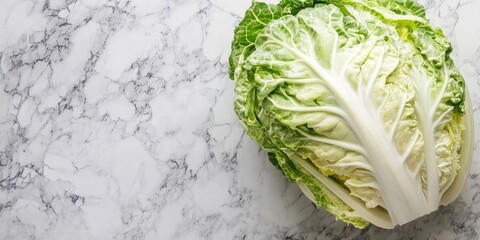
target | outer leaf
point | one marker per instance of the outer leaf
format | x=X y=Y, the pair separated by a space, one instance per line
x=439 y=107
x=404 y=7
x=256 y=17
x=293 y=6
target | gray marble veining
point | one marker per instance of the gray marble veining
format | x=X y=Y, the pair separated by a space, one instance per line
x=117 y=122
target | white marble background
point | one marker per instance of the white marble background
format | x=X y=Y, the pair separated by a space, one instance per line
x=116 y=122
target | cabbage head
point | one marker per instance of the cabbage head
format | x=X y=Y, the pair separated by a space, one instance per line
x=356 y=101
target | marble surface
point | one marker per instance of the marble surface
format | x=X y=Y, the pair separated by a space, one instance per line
x=116 y=122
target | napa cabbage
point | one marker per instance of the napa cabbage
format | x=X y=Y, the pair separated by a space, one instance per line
x=356 y=101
